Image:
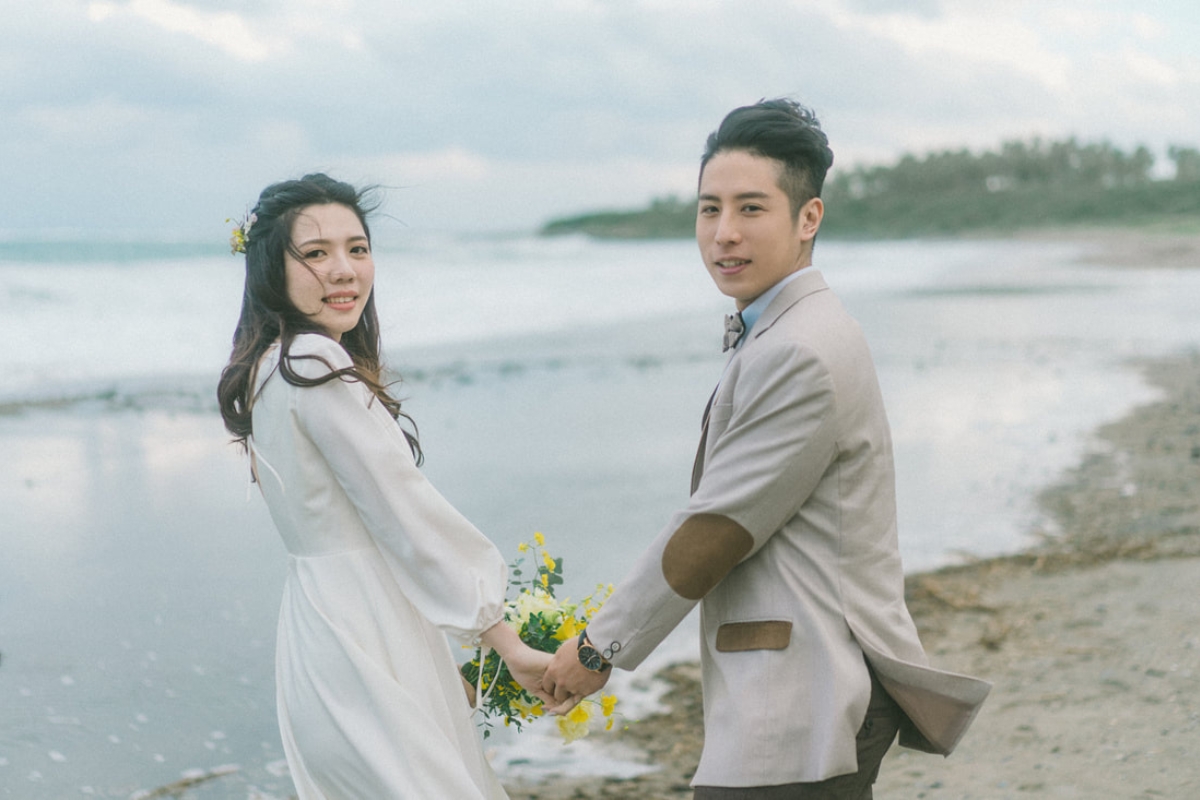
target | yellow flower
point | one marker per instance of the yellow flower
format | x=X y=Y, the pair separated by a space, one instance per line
x=574 y=724
x=541 y=540
x=527 y=710
x=524 y=548
x=240 y=235
x=608 y=725
x=548 y=561
x=607 y=703
x=567 y=629
x=545 y=580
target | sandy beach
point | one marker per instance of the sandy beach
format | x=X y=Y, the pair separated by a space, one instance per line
x=1092 y=637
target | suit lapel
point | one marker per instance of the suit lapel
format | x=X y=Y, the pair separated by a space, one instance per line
x=698 y=463
x=792 y=294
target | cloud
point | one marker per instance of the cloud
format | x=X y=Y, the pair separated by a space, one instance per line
x=1148 y=27
x=441 y=190
x=498 y=116
x=97 y=124
x=1149 y=69
x=450 y=164
x=226 y=31
x=967 y=33
x=975 y=74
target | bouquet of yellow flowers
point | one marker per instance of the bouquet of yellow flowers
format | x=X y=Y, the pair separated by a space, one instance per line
x=543 y=622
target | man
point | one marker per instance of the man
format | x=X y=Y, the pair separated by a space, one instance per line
x=810 y=660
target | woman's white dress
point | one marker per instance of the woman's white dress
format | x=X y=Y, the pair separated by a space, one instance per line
x=380 y=567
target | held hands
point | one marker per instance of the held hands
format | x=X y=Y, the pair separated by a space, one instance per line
x=560 y=682
x=567 y=681
x=526 y=665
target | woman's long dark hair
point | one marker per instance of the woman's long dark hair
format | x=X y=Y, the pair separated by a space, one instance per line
x=268 y=314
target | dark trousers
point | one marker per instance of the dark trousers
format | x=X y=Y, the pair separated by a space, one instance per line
x=876 y=735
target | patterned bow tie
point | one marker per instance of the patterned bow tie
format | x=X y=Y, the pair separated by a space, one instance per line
x=733 y=330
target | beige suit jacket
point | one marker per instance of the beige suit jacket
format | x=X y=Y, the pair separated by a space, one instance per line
x=789 y=544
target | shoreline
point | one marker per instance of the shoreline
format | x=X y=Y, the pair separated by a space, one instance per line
x=1090 y=637
x=1160 y=246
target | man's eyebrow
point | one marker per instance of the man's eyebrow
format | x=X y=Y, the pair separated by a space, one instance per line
x=742 y=196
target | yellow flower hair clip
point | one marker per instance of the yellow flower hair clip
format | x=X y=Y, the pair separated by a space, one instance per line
x=241 y=233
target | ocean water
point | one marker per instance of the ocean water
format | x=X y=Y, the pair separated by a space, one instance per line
x=558 y=385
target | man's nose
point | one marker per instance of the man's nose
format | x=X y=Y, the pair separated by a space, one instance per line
x=727 y=229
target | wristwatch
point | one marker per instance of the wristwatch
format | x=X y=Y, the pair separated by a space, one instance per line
x=589 y=656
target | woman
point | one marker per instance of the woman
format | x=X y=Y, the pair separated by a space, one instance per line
x=380 y=566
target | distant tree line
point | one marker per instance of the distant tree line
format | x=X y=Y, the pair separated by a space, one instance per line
x=1023 y=184
x=666 y=218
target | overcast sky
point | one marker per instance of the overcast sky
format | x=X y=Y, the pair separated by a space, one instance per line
x=166 y=116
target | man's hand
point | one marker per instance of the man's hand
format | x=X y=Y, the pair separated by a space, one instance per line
x=568 y=681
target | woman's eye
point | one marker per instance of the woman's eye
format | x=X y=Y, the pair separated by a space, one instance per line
x=311 y=254
x=360 y=250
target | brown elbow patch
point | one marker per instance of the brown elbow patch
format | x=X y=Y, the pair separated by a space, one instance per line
x=774 y=634
x=702 y=552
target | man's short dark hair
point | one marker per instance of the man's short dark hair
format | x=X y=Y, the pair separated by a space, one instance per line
x=783 y=130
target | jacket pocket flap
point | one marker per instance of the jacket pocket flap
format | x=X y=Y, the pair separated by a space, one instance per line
x=733 y=637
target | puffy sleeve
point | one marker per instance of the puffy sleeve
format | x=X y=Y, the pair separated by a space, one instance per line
x=448 y=569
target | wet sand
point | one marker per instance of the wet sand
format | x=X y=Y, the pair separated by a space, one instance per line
x=1092 y=638
x=1167 y=246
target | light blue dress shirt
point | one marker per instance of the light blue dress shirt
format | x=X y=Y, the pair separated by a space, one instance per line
x=752 y=312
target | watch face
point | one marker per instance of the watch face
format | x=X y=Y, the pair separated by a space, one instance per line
x=590 y=658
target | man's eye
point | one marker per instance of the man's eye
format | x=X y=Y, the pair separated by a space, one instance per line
x=751 y=208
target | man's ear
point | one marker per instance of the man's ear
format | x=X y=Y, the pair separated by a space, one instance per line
x=808 y=221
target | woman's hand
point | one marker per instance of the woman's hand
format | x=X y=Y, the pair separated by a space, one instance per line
x=527 y=667
x=526 y=664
